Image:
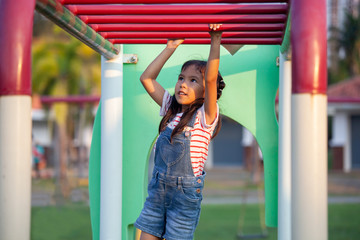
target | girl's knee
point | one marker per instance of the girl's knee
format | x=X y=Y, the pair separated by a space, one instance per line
x=147 y=236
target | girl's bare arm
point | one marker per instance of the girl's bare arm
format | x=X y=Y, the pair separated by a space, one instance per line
x=211 y=74
x=148 y=78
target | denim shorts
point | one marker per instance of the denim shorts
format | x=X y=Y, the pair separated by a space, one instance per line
x=172 y=209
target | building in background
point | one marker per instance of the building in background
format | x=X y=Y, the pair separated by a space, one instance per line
x=344 y=110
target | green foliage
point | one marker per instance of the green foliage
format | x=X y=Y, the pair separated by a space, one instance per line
x=346 y=40
x=60 y=58
x=340 y=74
x=349 y=41
x=63 y=66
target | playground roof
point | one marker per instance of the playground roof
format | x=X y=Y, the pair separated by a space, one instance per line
x=103 y=23
x=349 y=88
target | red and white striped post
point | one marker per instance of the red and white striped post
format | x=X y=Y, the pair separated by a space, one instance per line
x=16 y=18
x=309 y=120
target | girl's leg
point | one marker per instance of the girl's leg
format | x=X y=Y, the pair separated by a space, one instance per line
x=147 y=236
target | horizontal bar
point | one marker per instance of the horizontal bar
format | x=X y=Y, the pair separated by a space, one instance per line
x=336 y=100
x=189 y=34
x=185 y=27
x=262 y=41
x=69 y=99
x=268 y=18
x=164 y=1
x=343 y=100
x=87 y=99
x=177 y=9
x=61 y=16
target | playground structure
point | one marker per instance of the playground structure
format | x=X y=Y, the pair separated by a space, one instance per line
x=302 y=181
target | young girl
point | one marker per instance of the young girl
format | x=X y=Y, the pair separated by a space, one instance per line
x=190 y=120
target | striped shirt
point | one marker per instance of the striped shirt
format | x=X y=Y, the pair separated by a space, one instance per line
x=200 y=134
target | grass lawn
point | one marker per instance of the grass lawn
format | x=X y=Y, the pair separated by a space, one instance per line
x=218 y=222
x=61 y=223
x=222 y=222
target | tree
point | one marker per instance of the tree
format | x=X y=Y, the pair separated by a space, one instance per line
x=347 y=45
x=63 y=66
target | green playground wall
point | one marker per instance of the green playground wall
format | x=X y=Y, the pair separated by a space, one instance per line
x=251 y=78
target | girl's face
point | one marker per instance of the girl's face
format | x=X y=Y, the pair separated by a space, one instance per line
x=189 y=87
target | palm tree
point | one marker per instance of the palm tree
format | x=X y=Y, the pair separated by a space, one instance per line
x=347 y=43
x=350 y=42
x=64 y=66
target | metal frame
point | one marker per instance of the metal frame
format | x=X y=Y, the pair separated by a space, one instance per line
x=144 y=21
x=308 y=41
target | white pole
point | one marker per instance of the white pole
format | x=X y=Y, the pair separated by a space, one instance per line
x=284 y=183
x=15 y=167
x=309 y=166
x=111 y=147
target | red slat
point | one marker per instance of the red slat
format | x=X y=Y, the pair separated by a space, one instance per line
x=262 y=41
x=270 y=18
x=185 y=27
x=189 y=34
x=177 y=9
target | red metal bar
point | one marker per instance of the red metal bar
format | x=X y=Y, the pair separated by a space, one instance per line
x=164 y=1
x=337 y=100
x=343 y=100
x=308 y=40
x=69 y=99
x=189 y=34
x=269 y=18
x=263 y=41
x=177 y=9
x=185 y=27
x=15 y=41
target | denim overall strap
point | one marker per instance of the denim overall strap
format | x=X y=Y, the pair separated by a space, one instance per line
x=172 y=208
x=192 y=121
x=172 y=156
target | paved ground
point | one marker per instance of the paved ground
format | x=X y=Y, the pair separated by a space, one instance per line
x=235 y=185
x=224 y=185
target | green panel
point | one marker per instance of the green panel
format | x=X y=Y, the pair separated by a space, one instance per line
x=249 y=99
x=94 y=176
x=251 y=76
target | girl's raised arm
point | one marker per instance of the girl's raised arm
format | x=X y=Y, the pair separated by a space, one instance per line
x=211 y=74
x=148 y=78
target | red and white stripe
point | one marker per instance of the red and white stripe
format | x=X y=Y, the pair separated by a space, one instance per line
x=200 y=135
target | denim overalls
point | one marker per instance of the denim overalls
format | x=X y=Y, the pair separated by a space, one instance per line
x=172 y=209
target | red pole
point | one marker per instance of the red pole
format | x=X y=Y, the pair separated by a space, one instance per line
x=15 y=42
x=185 y=27
x=163 y=1
x=309 y=142
x=177 y=9
x=16 y=19
x=309 y=47
x=189 y=35
x=264 y=41
x=253 y=18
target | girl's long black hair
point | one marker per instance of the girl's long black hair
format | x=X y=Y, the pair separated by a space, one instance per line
x=175 y=107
